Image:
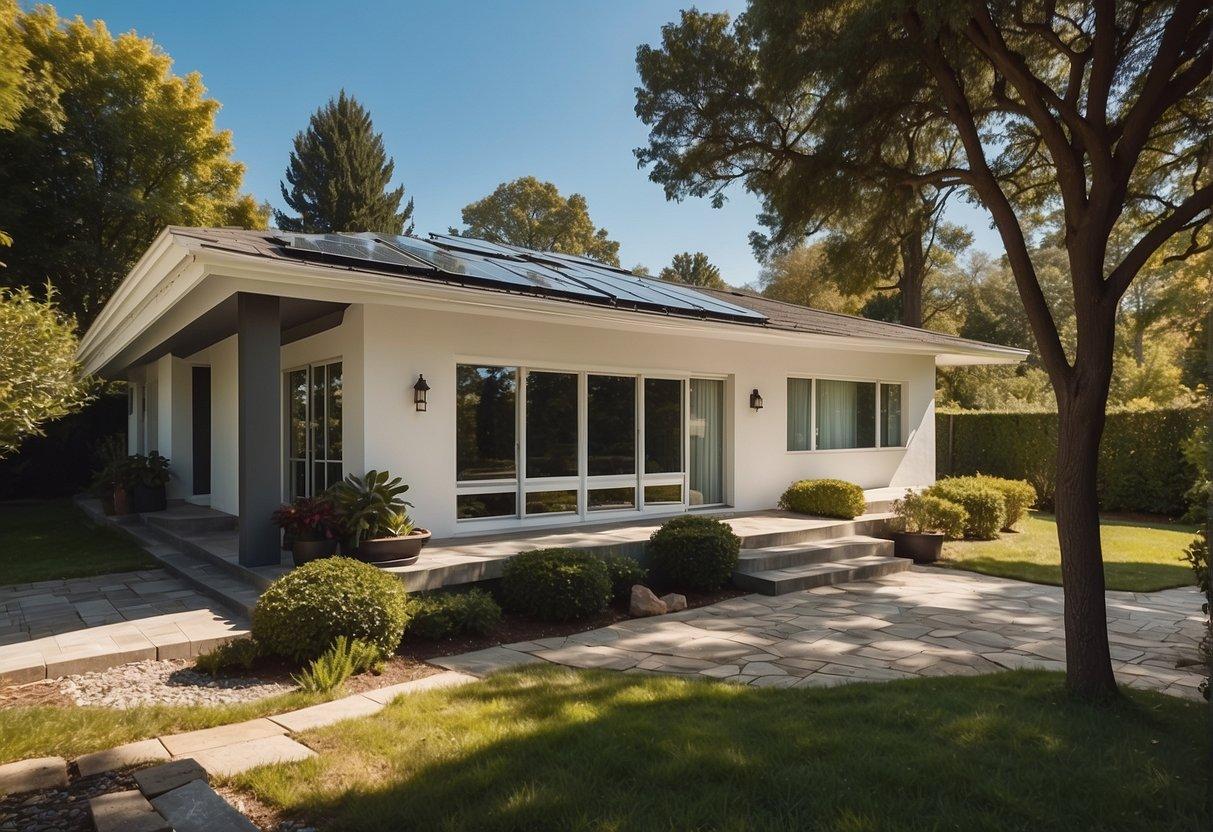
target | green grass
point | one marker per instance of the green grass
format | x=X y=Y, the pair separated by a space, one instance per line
x=1138 y=556
x=555 y=749
x=44 y=730
x=47 y=541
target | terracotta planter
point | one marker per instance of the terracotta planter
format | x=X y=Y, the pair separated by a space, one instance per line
x=393 y=551
x=148 y=498
x=923 y=548
x=304 y=551
x=122 y=501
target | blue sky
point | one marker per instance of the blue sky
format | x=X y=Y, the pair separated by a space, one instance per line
x=467 y=95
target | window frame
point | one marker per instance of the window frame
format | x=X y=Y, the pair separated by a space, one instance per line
x=813 y=378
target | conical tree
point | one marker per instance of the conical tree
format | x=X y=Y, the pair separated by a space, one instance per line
x=339 y=175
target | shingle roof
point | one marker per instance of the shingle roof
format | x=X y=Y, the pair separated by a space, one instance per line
x=779 y=315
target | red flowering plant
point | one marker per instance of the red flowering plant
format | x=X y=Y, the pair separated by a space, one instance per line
x=307 y=518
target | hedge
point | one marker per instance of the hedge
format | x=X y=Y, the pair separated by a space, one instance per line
x=1141 y=462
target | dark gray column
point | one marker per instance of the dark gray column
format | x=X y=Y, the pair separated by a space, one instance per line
x=259 y=337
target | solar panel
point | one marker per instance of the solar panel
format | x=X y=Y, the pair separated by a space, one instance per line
x=470 y=244
x=348 y=246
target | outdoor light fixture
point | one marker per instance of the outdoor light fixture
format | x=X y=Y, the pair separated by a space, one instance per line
x=756 y=399
x=419 y=391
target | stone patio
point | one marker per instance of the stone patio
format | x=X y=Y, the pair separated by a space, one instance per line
x=925 y=622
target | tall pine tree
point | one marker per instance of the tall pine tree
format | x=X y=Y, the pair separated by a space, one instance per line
x=339 y=174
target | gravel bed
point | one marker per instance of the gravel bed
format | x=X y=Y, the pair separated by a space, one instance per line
x=163 y=683
x=59 y=810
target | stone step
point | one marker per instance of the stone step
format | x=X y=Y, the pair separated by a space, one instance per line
x=190 y=520
x=807 y=576
x=215 y=548
x=800 y=554
x=870 y=525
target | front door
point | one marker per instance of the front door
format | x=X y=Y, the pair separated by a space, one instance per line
x=313 y=453
x=201 y=397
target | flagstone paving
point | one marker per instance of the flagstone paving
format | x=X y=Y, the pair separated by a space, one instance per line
x=925 y=622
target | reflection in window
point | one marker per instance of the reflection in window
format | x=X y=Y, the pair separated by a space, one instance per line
x=612 y=425
x=485 y=423
x=654 y=494
x=603 y=499
x=662 y=426
x=551 y=424
x=551 y=502
x=500 y=504
x=890 y=415
x=846 y=414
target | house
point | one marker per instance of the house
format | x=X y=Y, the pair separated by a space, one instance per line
x=511 y=388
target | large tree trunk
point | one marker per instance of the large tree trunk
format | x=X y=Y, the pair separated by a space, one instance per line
x=913 y=275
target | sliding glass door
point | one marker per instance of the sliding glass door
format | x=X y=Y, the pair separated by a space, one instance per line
x=707 y=442
x=314 y=426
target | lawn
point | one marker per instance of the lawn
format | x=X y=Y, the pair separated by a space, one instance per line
x=1138 y=556
x=552 y=748
x=47 y=541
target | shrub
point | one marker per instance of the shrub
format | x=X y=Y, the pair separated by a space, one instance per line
x=824 y=498
x=985 y=506
x=447 y=615
x=1197 y=555
x=625 y=572
x=920 y=513
x=694 y=552
x=1018 y=495
x=303 y=612
x=330 y=670
x=238 y=655
x=556 y=584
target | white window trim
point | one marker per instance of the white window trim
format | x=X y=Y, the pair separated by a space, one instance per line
x=879 y=447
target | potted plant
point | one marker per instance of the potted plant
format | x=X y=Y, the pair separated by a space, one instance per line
x=308 y=526
x=924 y=521
x=376 y=528
x=145 y=478
x=108 y=486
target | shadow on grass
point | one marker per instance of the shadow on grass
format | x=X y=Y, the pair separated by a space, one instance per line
x=551 y=748
x=1122 y=576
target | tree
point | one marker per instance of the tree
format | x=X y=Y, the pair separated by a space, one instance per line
x=13 y=58
x=118 y=148
x=800 y=276
x=533 y=214
x=694 y=270
x=39 y=377
x=640 y=270
x=339 y=174
x=1096 y=113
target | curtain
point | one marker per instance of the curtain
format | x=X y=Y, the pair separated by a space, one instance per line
x=836 y=412
x=890 y=415
x=799 y=421
x=707 y=441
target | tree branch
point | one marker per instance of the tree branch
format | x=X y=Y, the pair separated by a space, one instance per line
x=1118 y=281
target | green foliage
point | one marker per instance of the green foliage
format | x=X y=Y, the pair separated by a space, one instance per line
x=305 y=610
x=345 y=658
x=694 y=270
x=233 y=656
x=920 y=513
x=1196 y=453
x=370 y=506
x=533 y=214
x=40 y=379
x=13 y=56
x=985 y=508
x=556 y=584
x=117 y=148
x=824 y=498
x=1018 y=495
x=446 y=615
x=693 y=552
x=801 y=275
x=625 y=573
x=1142 y=467
x=339 y=175
x=1197 y=555
x=149 y=470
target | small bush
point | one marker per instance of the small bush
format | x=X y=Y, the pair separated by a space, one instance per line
x=1019 y=495
x=556 y=584
x=824 y=498
x=306 y=610
x=239 y=655
x=920 y=513
x=985 y=506
x=334 y=666
x=625 y=572
x=694 y=552
x=448 y=615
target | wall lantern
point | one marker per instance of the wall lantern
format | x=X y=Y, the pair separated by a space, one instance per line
x=756 y=399
x=419 y=391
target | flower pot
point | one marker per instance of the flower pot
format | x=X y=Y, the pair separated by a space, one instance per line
x=923 y=548
x=393 y=551
x=148 y=498
x=122 y=501
x=303 y=551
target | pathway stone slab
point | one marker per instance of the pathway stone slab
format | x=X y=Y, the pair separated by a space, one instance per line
x=326 y=713
x=32 y=775
x=484 y=662
x=180 y=745
x=126 y=812
x=227 y=760
x=446 y=679
x=195 y=807
x=143 y=751
x=163 y=778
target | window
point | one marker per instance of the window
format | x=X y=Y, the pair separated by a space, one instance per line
x=551 y=425
x=313 y=431
x=485 y=416
x=662 y=426
x=492 y=504
x=890 y=416
x=846 y=414
x=800 y=414
x=612 y=425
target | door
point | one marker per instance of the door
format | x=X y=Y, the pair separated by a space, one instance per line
x=314 y=425
x=706 y=442
x=200 y=391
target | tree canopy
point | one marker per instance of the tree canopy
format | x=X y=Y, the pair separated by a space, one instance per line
x=339 y=174
x=529 y=213
x=694 y=270
x=117 y=148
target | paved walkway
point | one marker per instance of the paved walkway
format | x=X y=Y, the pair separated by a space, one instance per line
x=56 y=628
x=926 y=622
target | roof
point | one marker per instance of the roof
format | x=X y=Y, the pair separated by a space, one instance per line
x=766 y=313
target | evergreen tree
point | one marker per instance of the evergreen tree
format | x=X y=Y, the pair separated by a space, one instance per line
x=339 y=174
x=693 y=269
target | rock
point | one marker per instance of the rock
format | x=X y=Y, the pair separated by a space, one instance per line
x=126 y=812
x=168 y=776
x=674 y=602
x=644 y=602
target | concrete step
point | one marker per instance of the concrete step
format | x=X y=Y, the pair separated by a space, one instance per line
x=866 y=525
x=807 y=576
x=190 y=520
x=218 y=549
x=801 y=554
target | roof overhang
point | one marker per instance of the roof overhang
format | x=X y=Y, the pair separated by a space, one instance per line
x=180 y=295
